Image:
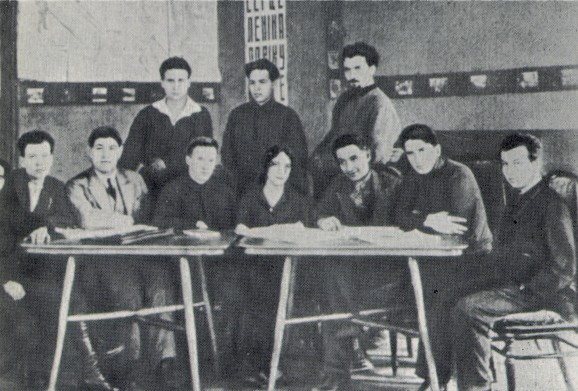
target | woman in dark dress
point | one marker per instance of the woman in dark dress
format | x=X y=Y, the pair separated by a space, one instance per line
x=271 y=201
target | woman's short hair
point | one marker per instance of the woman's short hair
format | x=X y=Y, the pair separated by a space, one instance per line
x=174 y=63
x=532 y=144
x=418 y=132
x=271 y=154
x=263 y=64
x=104 y=132
x=202 y=141
x=34 y=137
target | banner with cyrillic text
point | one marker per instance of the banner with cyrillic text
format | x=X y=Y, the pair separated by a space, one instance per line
x=266 y=37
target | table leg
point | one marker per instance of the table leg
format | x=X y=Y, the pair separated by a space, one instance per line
x=62 y=320
x=280 y=322
x=209 y=311
x=422 y=322
x=191 y=332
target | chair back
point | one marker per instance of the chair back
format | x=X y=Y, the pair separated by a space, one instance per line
x=488 y=174
x=565 y=184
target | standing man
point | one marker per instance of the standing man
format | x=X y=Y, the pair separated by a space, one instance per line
x=259 y=124
x=535 y=257
x=363 y=109
x=106 y=197
x=441 y=196
x=160 y=133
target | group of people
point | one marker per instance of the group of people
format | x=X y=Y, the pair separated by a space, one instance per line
x=167 y=174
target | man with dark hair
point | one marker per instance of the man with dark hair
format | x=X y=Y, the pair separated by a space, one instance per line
x=359 y=196
x=363 y=109
x=257 y=125
x=441 y=196
x=106 y=197
x=535 y=258
x=203 y=198
x=161 y=132
x=32 y=205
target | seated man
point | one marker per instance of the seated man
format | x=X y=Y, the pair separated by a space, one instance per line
x=106 y=197
x=441 y=196
x=535 y=256
x=359 y=196
x=205 y=199
x=32 y=205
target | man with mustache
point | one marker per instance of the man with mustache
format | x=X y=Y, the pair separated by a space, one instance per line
x=363 y=109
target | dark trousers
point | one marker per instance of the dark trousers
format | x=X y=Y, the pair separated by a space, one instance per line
x=261 y=280
x=19 y=335
x=445 y=281
x=352 y=285
x=473 y=317
x=127 y=283
x=42 y=279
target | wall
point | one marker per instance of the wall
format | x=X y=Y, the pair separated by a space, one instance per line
x=306 y=62
x=79 y=41
x=429 y=37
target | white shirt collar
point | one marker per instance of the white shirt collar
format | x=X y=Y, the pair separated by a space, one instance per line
x=34 y=190
x=190 y=108
x=103 y=178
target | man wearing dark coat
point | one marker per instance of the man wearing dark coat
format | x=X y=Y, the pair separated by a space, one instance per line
x=160 y=133
x=359 y=196
x=259 y=124
x=441 y=196
x=32 y=205
x=534 y=259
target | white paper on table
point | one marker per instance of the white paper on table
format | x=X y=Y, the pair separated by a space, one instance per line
x=78 y=233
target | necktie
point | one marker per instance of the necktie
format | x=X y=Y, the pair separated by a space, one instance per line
x=110 y=190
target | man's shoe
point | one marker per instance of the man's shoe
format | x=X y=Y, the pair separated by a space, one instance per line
x=360 y=360
x=333 y=383
x=425 y=386
x=168 y=374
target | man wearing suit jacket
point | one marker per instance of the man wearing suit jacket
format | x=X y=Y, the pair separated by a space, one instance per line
x=32 y=205
x=359 y=196
x=107 y=197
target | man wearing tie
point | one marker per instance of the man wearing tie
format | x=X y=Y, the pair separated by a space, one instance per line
x=32 y=204
x=106 y=197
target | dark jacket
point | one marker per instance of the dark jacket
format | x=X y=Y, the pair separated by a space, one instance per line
x=535 y=244
x=450 y=187
x=53 y=210
x=251 y=130
x=183 y=202
x=152 y=136
x=254 y=211
x=337 y=202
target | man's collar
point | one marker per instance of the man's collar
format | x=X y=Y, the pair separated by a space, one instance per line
x=363 y=181
x=265 y=105
x=537 y=181
x=103 y=178
x=364 y=90
x=190 y=108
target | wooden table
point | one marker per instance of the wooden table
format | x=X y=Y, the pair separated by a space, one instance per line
x=442 y=246
x=175 y=246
